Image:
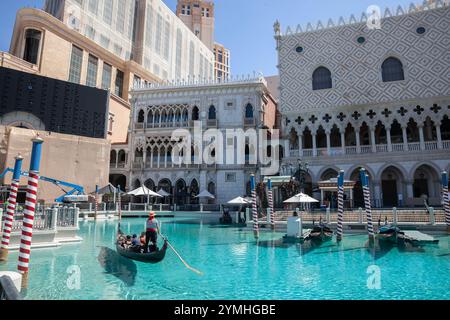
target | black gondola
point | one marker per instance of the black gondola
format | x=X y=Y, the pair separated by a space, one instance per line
x=151 y=257
x=390 y=233
x=321 y=233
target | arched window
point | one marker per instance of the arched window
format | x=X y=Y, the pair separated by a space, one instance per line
x=392 y=70
x=32 y=41
x=141 y=116
x=322 y=79
x=212 y=113
x=249 y=111
x=195 y=114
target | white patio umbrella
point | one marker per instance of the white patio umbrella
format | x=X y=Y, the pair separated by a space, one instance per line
x=164 y=193
x=144 y=191
x=301 y=198
x=238 y=200
x=205 y=194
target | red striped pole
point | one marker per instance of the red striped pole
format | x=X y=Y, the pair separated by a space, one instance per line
x=340 y=230
x=11 y=209
x=254 y=207
x=28 y=213
x=272 y=212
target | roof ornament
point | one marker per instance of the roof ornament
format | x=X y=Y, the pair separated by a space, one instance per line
x=352 y=19
x=277 y=28
x=400 y=11
x=330 y=23
x=387 y=13
x=309 y=27
x=341 y=21
x=319 y=25
x=364 y=17
x=299 y=29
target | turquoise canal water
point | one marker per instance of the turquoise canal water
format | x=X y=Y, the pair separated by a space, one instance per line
x=235 y=267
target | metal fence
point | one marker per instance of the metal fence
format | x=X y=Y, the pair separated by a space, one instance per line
x=47 y=218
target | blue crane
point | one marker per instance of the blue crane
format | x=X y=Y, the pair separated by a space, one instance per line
x=76 y=189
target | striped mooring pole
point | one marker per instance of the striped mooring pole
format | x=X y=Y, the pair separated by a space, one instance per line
x=119 y=203
x=366 y=191
x=29 y=210
x=270 y=198
x=340 y=220
x=254 y=207
x=96 y=202
x=446 y=200
x=11 y=209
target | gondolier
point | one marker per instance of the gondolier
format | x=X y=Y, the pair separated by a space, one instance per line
x=152 y=230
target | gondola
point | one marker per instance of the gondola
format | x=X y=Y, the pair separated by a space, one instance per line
x=152 y=257
x=390 y=233
x=321 y=233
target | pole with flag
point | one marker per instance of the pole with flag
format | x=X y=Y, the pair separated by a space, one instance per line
x=366 y=191
x=254 y=207
x=340 y=219
x=10 y=209
x=28 y=213
x=446 y=200
x=271 y=209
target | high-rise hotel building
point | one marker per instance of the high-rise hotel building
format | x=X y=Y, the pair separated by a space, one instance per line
x=199 y=16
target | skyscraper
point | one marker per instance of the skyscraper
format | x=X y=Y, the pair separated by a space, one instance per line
x=199 y=16
x=144 y=31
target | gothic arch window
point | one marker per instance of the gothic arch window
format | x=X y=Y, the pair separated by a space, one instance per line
x=195 y=114
x=392 y=70
x=322 y=79
x=212 y=113
x=141 y=116
x=249 y=111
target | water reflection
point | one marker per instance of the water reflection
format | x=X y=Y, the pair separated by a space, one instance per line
x=118 y=266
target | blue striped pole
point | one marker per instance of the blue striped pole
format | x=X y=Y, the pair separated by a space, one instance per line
x=96 y=202
x=254 y=207
x=29 y=211
x=270 y=198
x=366 y=191
x=340 y=219
x=11 y=209
x=446 y=199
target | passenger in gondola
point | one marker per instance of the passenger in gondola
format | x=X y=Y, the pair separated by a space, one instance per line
x=134 y=240
x=151 y=234
x=142 y=239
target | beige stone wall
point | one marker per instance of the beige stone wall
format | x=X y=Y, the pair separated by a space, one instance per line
x=121 y=118
x=55 y=56
x=80 y=160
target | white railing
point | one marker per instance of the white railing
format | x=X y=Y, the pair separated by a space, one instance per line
x=307 y=152
x=249 y=122
x=415 y=146
x=398 y=147
x=139 y=125
x=294 y=153
x=431 y=145
x=382 y=148
x=366 y=149
x=351 y=150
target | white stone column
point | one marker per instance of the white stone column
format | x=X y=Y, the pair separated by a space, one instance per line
x=389 y=141
x=358 y=141
x=314 y=141
x=343 y=142
x=117 y=160
x=376 y=194
x=422 y=140
x=409 y=191
x=300 y=145
x=144 y=154
x=405 y=139
x=328 y=142
x=372 y=140
x=439 y=136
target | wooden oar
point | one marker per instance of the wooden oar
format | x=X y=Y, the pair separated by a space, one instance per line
x=178 y=255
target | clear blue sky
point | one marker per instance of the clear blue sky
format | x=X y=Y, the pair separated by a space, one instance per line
x=244 y=26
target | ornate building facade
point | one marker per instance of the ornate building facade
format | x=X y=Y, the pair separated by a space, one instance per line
x=353 y=96
x=159 y=110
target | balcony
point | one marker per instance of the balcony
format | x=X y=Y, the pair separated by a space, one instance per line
x=212 y=123
x=377 y=149
x=249 y=122
x=119 y=165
